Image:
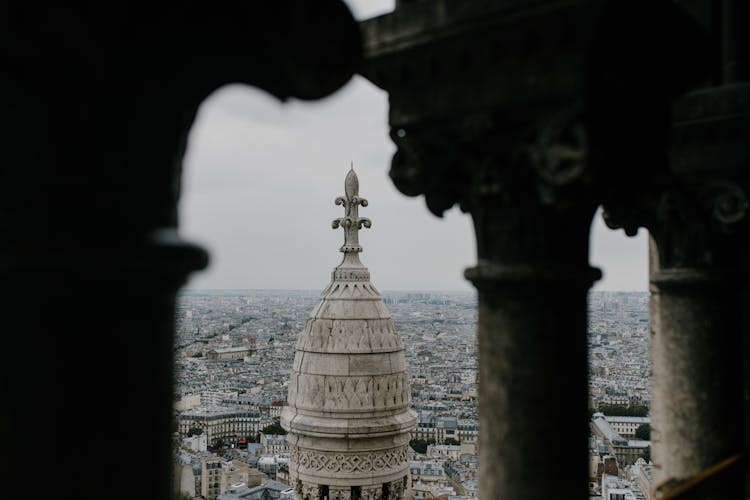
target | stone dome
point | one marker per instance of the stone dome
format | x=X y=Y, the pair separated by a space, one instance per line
x=348 y=413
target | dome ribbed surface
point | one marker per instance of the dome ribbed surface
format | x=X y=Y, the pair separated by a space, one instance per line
x=348 y=413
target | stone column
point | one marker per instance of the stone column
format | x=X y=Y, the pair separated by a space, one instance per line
x=696 y=354
x=532 y=342
x=528 y=118
x=695 y=208
x=698 y=232
x=696 y=417
x=745 y=311
x=696 y=322
x=699 y=226
x=531 y=205
x=532 y=277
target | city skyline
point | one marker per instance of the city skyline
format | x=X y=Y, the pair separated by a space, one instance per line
x=234 y=369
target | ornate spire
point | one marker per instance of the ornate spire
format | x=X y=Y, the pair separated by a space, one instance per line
x=347 y=414
x=351 y=222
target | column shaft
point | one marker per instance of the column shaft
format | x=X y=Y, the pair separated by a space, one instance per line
x=533 y=389
x=697 y=375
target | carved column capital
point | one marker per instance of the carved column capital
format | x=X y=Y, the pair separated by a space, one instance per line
x=525 y=183
x=696 y=213
x=696 y=208
x=694 y=226
x=461 y=159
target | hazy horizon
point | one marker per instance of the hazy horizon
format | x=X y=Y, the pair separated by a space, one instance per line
x=318 y=290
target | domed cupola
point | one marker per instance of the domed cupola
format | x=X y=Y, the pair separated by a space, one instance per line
x=348 y=413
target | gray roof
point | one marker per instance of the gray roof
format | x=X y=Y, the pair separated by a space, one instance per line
x=269 y=489
x=221 y=350
x=628 y=420
x=608 y=432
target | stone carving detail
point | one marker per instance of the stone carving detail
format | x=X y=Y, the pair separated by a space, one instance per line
x=372 y=493
x=384 y=336
x=347 y=283
x=349 y=336
x=310 y=492
x=349 y=367
x=351 y=222
x=344 y=494
x=311 y=461
x=727 y=201
x=345 y=393
x=352 y=275
x=397 y=489
x=692 y=227
x=558 y=154
x=484 y=154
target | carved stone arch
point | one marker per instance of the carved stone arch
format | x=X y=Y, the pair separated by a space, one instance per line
x=90 y=190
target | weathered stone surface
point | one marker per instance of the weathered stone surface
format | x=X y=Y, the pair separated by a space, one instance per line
x=349 y=393
x=341 y=336
x=529 y=115
x=348 y=415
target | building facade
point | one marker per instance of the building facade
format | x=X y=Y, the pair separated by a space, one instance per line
x=626 y=426
x=439 y=428
x=222 y=353
x=274 y=444
x=348 y=413
x=211 y=477
x=220 y=423
x=627 y=451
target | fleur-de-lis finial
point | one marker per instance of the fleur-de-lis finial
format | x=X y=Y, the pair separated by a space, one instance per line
x=351 y=222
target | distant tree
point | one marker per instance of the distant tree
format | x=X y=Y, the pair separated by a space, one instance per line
x=274 y=428
x=219 y=443
x=646 y=455
x=643 y=432
x=195 y=431
x=420 y=445
x=451 y=441
x=197 y=355
x=639 y=410
x=635 y=410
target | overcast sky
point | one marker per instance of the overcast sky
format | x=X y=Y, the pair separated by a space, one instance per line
x=260 y=179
